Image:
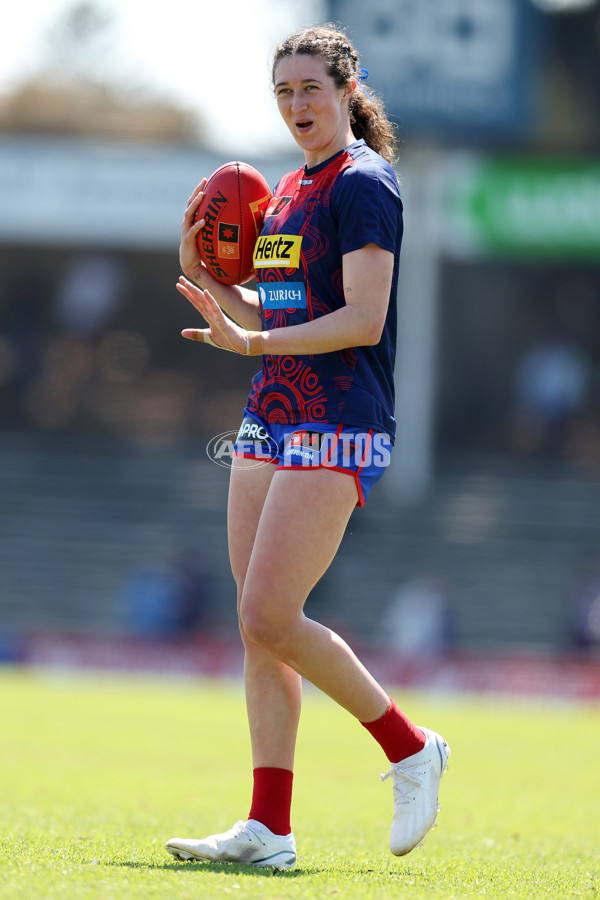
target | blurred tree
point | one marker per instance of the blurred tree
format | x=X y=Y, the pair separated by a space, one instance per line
x=79 y=42
x=82 y=88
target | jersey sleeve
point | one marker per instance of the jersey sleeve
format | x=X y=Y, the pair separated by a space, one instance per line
x=367 y=208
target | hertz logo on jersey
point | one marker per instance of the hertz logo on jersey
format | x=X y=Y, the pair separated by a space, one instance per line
x=280 y=251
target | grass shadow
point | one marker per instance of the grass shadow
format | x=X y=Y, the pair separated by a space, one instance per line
x=222 y=868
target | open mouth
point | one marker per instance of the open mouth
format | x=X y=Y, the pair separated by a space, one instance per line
x=304 y=126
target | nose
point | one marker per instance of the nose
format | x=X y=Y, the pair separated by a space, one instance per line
x=298 y=101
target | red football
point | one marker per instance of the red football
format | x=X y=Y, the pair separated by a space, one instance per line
x=234 y=203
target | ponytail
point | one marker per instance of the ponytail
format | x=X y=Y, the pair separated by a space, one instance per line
x=369 y=121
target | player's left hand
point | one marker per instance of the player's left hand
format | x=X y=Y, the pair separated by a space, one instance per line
x=223 y=332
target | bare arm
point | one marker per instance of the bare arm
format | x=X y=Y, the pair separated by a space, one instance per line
x=238 y=302
x=367 y=277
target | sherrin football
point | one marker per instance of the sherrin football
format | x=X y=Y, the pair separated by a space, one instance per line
x=234 y=203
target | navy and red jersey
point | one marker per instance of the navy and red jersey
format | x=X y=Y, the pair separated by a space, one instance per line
x=315 y=217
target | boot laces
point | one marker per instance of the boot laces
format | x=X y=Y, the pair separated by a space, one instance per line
x=244 y=829
x=406 y=777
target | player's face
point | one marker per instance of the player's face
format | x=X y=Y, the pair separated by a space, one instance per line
x=313 y=107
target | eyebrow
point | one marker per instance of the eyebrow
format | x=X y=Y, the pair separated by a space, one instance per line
x=303 y=81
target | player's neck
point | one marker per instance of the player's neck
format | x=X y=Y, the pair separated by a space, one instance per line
x=317 y=157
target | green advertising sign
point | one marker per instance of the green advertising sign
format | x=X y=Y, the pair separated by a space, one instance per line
x=524 y=207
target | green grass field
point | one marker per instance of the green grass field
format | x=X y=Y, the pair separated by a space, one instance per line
x=97 y=772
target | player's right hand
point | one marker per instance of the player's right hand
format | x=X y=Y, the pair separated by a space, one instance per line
x=189 y=255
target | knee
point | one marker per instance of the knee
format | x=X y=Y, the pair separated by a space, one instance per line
x=261 y=624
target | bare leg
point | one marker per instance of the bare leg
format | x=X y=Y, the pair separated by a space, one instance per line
x=273 y=689
x=285 y=527
x=302 y=522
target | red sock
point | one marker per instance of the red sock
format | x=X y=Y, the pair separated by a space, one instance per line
x=272 y=798
x=396 y=734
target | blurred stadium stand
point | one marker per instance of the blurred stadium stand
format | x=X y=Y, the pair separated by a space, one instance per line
x=78 y=520
x=508 y=551
x=111 y=514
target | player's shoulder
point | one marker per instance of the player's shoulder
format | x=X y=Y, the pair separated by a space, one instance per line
x=366 y=166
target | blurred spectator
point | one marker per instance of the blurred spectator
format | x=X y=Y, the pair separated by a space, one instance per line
x=551 y=386
x=12 y=648
x=583 y=448
x=148 y=601
x=165 y=599
x=21 y=339
x=585 y=618
x=62 y=366
x=418 y=619
x=89 y=294
x=194 y=592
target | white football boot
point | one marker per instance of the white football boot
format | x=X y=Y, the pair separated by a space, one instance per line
x=416 y=785
x=250 y=843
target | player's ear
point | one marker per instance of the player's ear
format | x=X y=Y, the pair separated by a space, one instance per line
x=349 y=89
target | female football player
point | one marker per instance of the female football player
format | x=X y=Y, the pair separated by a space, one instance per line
x=323 y=321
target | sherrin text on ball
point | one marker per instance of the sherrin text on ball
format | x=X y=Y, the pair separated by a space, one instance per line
x=233 y=207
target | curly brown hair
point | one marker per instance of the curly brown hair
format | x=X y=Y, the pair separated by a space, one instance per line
x=367 y=114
